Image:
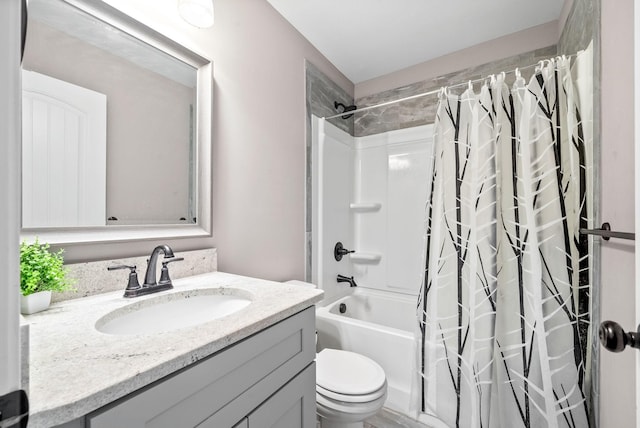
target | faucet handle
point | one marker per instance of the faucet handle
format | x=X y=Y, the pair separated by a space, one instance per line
x=339 y=251
x=116 y=267
x=164 y=272
x=133 y=283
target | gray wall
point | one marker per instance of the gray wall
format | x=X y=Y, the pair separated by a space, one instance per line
x=581 y=28
x=617 y=168
x=513 y=44
x=258 y=136
x=321 y=95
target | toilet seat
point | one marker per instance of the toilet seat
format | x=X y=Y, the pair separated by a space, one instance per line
x=350 y=398
x=336 y=410
x=347 y=376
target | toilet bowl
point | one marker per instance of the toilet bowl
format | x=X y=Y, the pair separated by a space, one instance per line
x=349 y=387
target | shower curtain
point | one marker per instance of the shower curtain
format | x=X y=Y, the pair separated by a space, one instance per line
x=504 y=306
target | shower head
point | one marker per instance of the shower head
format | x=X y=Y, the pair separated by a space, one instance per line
x=344 y=108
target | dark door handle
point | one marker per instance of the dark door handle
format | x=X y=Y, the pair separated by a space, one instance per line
x=615 y=339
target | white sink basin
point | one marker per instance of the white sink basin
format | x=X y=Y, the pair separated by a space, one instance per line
x=173 y=311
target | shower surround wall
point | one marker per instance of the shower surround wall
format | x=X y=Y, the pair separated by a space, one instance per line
x=332 y=186
x=391 y=184
x=321 y=93
x=370 y=194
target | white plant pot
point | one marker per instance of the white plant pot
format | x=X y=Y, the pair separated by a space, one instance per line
x=35 y=302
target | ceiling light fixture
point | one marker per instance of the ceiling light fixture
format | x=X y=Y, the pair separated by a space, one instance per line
x=198 y=13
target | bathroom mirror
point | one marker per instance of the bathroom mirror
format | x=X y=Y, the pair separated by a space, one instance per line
x=116 y=128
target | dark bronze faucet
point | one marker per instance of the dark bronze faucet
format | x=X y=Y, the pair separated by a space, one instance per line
x=150 y=276
x=150 y=285
x=349 y=279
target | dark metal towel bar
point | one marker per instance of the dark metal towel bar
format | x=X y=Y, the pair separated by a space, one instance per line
x=606 y=233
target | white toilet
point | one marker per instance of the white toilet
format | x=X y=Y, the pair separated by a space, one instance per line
x=349 y=387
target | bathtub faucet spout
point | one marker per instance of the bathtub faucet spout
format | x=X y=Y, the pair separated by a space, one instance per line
x=349 y=279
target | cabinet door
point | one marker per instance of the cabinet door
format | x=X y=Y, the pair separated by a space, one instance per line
x=222 y=389
x=293 y=406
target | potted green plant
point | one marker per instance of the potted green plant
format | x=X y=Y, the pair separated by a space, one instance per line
x=41 y=272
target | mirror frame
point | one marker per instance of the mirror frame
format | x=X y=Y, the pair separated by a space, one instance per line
x=204 y=109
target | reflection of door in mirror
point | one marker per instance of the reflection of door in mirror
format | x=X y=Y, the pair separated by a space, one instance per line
x=151 y=113
x=63 y=153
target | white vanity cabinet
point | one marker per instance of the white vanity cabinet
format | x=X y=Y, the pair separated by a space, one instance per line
x=265 y=380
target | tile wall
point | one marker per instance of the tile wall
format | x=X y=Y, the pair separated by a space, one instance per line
x=421 y=111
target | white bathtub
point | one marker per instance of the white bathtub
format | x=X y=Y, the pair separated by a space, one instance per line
x=379 y=325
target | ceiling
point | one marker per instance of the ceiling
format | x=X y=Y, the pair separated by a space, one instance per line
x=365 y=39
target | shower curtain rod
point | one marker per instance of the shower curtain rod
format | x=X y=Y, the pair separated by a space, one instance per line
x=435 y=91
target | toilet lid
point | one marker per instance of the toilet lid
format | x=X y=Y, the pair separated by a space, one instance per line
x=348 y=373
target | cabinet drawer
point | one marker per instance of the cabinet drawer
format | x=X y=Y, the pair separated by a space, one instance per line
x=190 y=396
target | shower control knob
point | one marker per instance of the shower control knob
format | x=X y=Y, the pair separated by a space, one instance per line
x=615 y=339
x=339 y=251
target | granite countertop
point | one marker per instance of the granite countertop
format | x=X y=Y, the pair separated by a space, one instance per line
x=74 y=369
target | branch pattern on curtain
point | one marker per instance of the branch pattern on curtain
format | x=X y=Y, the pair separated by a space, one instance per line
x=502 y=309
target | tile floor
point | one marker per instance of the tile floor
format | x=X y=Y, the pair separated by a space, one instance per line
x=388 y=419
